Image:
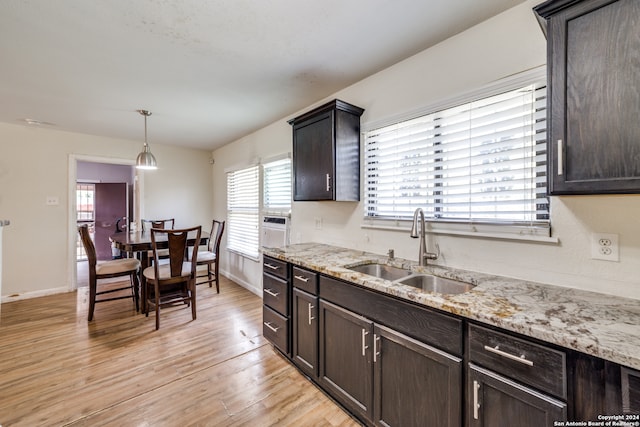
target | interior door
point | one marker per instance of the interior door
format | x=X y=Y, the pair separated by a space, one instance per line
x=110 y=204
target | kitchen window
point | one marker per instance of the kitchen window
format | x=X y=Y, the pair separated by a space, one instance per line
x=243 y=199
x=476 y=164
x=277 y=186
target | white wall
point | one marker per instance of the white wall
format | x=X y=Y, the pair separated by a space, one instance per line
x=509 y=43
x=34 y=164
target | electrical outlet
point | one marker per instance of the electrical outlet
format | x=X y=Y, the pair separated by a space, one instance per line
x=605 y=247
x=52 y=201
x=318 y=223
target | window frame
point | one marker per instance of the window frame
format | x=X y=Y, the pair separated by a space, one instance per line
x=536 y=229
x=237 y=208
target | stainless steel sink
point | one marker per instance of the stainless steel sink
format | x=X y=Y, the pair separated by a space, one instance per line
x=382 y=271
x=429 y=283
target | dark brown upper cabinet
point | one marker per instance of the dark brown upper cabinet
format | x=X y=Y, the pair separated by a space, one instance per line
x=593 y=60
x=326 y=153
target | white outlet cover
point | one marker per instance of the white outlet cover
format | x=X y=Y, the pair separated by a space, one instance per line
x=605 y=246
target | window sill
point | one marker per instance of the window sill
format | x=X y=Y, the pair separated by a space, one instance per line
x=481 y=231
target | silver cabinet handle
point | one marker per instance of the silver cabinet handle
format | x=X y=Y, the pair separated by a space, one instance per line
x=521 y=359
x=271 y=266
x=270 y=292
x=328 y=182
x=310 y=315
x=476 y=405
x=302 y=278
x=560 y=158
x=268 y=325
x=364 y=341
x=376 y=347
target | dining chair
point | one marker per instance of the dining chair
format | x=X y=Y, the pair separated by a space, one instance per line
x=209 y=257
x=108 y=269
x=173 y=282
x=157 y=223
x=166 y=224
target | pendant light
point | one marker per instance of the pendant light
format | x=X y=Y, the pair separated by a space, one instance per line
x=145 y=159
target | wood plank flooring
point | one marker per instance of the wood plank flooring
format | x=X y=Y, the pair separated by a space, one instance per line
x=57 y=369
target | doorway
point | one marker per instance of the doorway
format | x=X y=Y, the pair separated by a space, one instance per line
x=115 y=185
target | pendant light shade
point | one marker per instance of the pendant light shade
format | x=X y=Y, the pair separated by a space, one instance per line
x=145 y=159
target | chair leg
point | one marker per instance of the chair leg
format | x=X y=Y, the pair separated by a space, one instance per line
x=192 y=285
x=157 y=297
x=209 y=274
x=92 y=297
x=136 y=294
x=217 y=279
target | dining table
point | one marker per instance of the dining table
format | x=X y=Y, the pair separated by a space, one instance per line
x=139 y=244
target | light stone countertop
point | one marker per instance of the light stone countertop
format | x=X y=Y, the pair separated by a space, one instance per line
x=597 y=324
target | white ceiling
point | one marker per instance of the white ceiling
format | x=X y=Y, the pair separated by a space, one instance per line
x=210 y=71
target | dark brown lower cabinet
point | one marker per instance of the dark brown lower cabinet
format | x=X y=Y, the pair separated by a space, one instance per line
x=496 y=401
x=305 y=332
x=346 y=370
x=385 y=377
x=414 y=384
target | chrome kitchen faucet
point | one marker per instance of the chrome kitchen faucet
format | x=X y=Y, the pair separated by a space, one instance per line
x=423 y=255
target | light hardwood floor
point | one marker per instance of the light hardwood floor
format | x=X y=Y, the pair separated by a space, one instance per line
x=57 y=369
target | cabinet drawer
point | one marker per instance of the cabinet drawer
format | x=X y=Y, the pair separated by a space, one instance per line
x=276 y=267
x=275 y=328
x=274 y=294
x=305 y=280
x=630 y=391
x=524 y=361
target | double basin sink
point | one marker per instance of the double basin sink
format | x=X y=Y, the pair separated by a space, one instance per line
x=423 y=281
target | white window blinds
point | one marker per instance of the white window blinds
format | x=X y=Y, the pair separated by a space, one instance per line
x=277 y=185
x=483 y=161
x=243 y=197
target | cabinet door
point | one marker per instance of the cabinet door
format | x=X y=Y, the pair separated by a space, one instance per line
x=345 y=358
x=313 y=154
x=414 y=384
x=495 y=401
x=594 y=142
x=305 y=332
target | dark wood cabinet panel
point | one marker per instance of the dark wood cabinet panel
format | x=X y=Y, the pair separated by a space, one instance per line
x=326 y=153
x=275 y=328
x=346 y=370
x=427 y=325
x=276 y=299
x=593 y=68
x=304 y=279
x=414 y=384
x=496 y=401
x=536 y=365
x=305 y=332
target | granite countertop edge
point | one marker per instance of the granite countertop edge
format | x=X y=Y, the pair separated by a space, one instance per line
x=600 y=325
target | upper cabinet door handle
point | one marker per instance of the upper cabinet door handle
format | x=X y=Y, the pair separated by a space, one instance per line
x=560 y=158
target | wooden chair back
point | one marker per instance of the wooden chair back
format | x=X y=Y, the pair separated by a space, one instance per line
x=165 y=224
x=89 y=247
x=177 y=241
x=217 y=228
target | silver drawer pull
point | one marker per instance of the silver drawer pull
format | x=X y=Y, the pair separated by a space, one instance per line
x=302 y=278
x=268 y=325
x=499 y=352
x=476 y=405
x=271 y=266
x=328 y=182
x=270 y=292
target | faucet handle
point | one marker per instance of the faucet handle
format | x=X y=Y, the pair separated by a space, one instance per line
x=391 y=254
